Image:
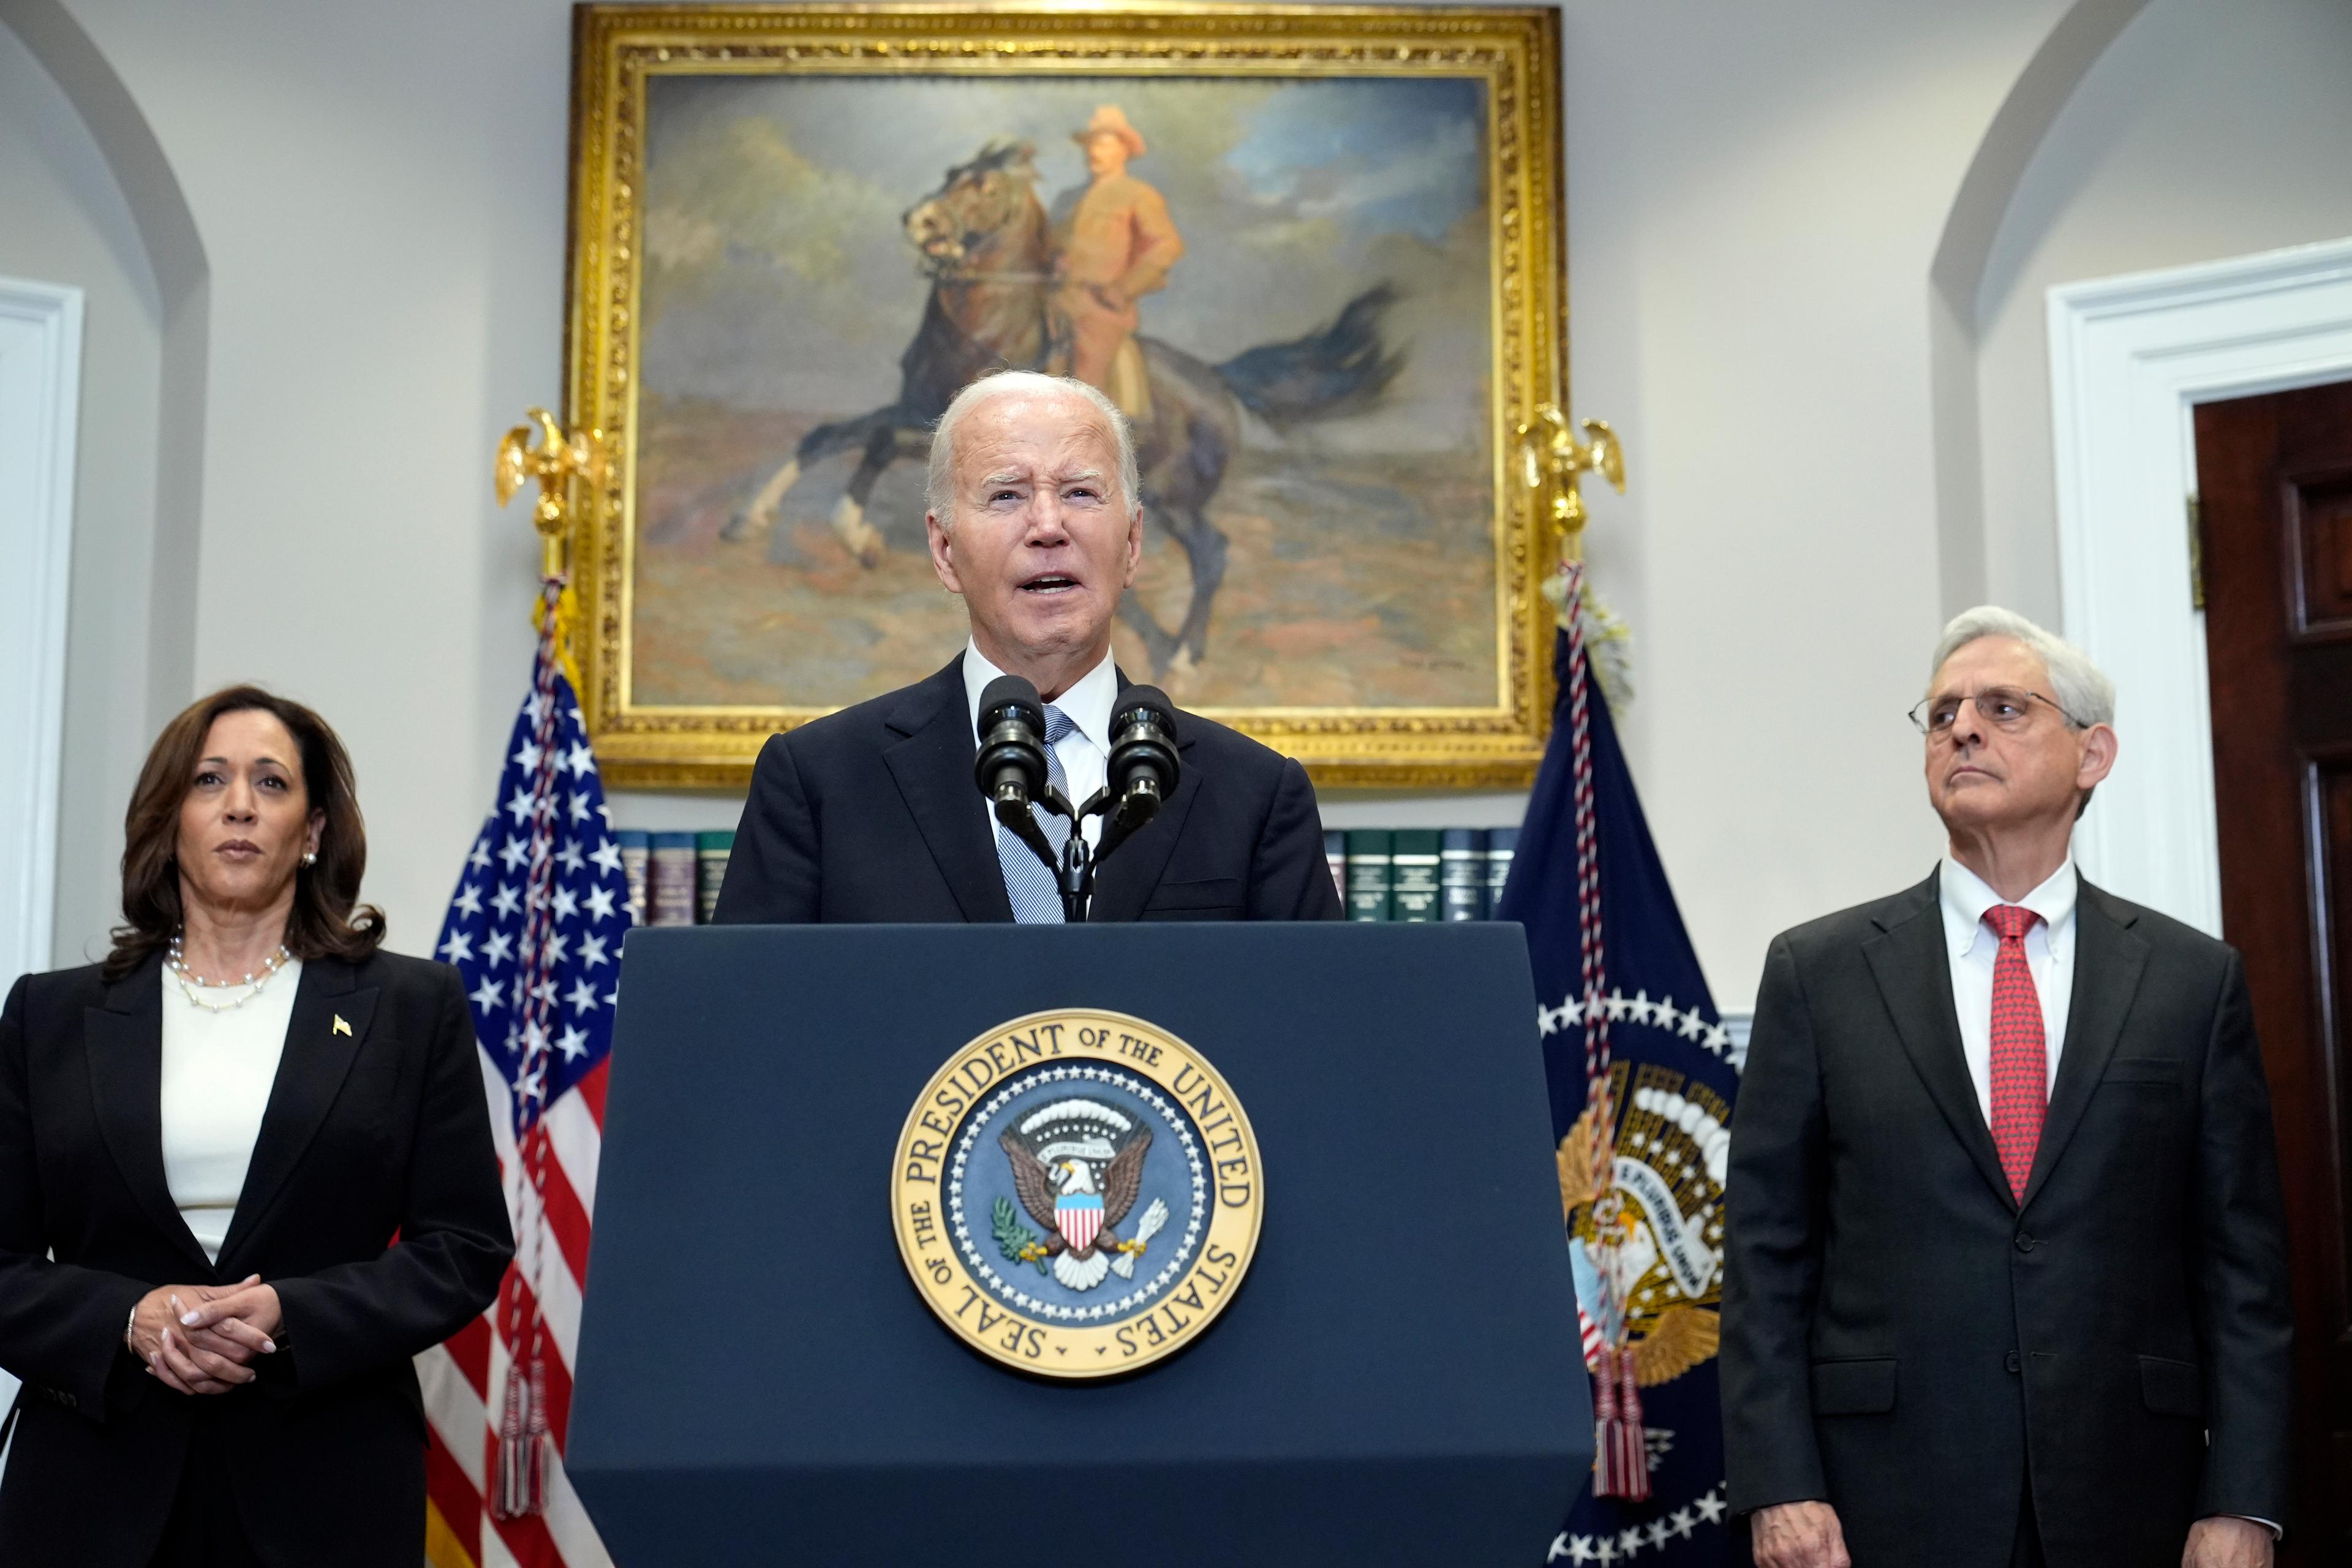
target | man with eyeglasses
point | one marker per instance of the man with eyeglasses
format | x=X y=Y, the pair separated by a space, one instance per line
x=2005 y=1276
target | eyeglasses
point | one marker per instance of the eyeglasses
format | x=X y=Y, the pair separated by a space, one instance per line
x=2005 y=708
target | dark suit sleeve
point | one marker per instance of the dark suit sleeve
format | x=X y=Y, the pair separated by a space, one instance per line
x=61 y=1324
x=1772 y=1251
x=771 y=873
x=1290 y=877
x=455 y=1241
x=2244 y=1314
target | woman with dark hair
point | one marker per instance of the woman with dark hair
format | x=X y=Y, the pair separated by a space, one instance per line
x=245 y=1174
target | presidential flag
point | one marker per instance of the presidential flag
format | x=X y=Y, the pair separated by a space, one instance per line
x=535 y=927
x=1642 y=1075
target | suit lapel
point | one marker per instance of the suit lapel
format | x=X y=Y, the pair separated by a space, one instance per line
x=1915 y=979
x=932 y=766
x=2108 y=962
x=317 y=1058
x=125 y=1042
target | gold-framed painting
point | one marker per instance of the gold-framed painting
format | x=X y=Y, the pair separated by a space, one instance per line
x=1314 y=252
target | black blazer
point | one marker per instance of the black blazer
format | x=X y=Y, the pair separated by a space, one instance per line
x=871 y=814
x=1903 y=1339
x=377 y=1131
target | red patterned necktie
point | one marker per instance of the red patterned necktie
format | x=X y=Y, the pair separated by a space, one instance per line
x=2020 y=1060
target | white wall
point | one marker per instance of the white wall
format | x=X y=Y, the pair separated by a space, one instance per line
x=379 y=194
x=66 y=222
x=1756 y=195
x=2190 y=142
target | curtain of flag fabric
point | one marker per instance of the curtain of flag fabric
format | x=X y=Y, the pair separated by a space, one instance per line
x=535 y=927
x=1621 y=1004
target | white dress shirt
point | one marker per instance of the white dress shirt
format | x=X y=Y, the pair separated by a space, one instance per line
x=218 y=1068
x=1084 y=752
x=1973 y=947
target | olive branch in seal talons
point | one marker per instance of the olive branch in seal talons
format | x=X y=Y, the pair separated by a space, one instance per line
x=1016 y=1241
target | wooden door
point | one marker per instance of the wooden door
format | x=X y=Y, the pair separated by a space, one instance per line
x=2274 y=477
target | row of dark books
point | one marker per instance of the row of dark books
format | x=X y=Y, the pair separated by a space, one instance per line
x=673 y=878
x=1421 y=873
x=1382 y=873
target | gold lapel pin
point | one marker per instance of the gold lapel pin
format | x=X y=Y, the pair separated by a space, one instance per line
x=341 y=1028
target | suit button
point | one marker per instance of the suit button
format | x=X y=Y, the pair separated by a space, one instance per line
x=2015 y=1362
x=2024 y=1242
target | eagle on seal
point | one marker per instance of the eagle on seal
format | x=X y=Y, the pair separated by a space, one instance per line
x=1079 y=1211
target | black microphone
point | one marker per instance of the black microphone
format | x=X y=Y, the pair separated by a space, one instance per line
x=1143 y=765
x=1011 y=768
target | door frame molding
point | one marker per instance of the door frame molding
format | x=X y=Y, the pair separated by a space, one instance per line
x=40 y=404
x=2130 y=358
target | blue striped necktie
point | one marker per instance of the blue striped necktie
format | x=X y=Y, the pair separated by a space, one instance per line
x=1037 y=896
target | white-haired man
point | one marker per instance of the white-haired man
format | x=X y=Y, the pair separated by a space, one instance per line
x=2005 y=1276
x=871 y=814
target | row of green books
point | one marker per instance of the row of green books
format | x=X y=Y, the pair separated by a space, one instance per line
x=1382 y=873
x=673 y=878
x=1421 y=873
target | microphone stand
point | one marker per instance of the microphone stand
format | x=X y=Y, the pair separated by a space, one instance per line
x=1074 y=869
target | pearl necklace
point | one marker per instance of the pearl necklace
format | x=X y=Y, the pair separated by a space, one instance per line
x=176 y=962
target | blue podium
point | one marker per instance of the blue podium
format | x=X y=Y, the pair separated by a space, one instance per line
x=1396 y=1379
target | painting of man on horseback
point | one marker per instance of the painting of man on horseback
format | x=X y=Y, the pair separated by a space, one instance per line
x=1003 y=296
x=1367 y=532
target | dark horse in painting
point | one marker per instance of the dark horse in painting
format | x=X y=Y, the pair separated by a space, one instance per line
x=986 y=247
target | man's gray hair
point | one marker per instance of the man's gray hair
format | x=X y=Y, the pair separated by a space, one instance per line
x=938 y=486
x=2083 y=689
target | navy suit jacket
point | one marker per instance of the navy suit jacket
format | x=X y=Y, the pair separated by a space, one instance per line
x=871 y=814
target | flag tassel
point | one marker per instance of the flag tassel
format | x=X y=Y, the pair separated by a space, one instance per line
x=1621 y=1448
x=521 y=1485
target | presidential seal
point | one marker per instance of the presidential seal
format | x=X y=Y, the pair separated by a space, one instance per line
x=1077 y=1194
x=1649 y=1250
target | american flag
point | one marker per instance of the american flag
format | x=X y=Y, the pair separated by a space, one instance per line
x=536 y=929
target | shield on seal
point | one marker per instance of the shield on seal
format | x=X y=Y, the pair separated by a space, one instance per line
x=1079 y=1217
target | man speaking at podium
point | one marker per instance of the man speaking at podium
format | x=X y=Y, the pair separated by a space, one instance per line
x=873 y=813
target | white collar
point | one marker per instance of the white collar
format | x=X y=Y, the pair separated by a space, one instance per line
x=1087 y=702
x=1966 y=897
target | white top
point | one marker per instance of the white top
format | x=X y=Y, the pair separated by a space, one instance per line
x=217 y=1070
x=1972 y=946
x=1084 y=752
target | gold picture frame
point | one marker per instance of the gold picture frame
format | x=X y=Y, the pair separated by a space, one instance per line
x=652 y=726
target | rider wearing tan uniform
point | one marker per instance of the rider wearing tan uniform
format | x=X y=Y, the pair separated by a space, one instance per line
x=1116 y=246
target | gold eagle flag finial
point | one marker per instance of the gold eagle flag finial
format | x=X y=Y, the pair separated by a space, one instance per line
x=1551 y=461
x=558 y=459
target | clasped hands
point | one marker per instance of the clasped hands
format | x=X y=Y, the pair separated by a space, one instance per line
x=1808 y=1535
x=203 y=1339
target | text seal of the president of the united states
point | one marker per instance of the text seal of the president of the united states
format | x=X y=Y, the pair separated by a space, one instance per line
x=1077 y=1194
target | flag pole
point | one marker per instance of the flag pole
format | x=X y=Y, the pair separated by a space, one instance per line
x=518 y=1485
x=1552 y=462
x=560 y=461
